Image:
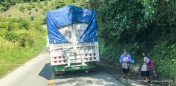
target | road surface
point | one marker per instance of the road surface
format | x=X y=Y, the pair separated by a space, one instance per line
x=38 y=72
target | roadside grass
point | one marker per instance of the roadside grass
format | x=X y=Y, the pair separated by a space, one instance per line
x=22 y=36
x=20 y=44
x=11 y=55
x=26 y=44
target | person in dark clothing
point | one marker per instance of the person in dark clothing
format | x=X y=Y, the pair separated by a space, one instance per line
x=150 y=65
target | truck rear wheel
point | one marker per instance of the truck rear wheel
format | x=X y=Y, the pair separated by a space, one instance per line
x=92 y=69
x=58 y=73
x=86 y=71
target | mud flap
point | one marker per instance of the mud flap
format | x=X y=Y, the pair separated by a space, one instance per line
x=58 y=70
x=91 y=66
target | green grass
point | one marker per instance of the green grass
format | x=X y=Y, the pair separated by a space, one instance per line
x=22 y=36
x=20 y=44
x=11 y=55
x=38 y=10
x=15 y=12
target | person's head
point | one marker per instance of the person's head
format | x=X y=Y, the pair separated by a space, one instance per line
x=125 y=52
x=144 y=54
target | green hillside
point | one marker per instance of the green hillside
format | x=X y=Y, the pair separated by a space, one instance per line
x=31 y=10
x=22 y=35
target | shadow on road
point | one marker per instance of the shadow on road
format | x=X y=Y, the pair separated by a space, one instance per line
x=80 y=78
x=46 y=71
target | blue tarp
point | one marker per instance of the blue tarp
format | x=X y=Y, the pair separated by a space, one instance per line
x=71 y=15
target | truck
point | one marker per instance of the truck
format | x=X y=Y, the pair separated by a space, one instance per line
x=73 y=41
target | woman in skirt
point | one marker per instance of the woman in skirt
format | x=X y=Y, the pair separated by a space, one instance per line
x=145 y=69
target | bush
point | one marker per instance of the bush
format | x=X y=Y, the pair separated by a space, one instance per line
x=33 y=5
x=44 y=21
x=2 y=25
x=46 y=3
x=43 y=13
x=25 y=40
x=2 y=8
x=9 y=15
x=29 y=7
x=40 y=6
x=60 y=4
x=31 y=2
x=37 y=26
x=10 y=26
x=29 y=13
x=11 y=36
x=32 y=18
x=22 y=8
x=3 y=32
x=38 y=1
x=23 y=24
x=36 y=10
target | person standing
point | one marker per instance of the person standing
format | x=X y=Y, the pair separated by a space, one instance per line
x=150 y=65
x=125 y=59
x=145 y=67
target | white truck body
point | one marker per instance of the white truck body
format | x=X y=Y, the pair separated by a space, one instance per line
x=73 y=52
x=73 y=41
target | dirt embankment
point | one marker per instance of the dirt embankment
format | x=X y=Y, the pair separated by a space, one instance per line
x=115 y=69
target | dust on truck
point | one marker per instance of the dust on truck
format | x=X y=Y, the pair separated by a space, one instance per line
x=73 y=41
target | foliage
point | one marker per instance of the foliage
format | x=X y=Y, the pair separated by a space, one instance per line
x=2 y=8
x=29 y=13
x=138 y=26
x=46 y=3
x=38 y=1
x=33 y=5
x=25 y=40
x=36 y=10
x=37 y=26
x=18 y=43
x=6 y=4
x=22 y=8
x=29 y=7
x=23 y=24
x=11 y=36
x=40 y=6
x=32 y=18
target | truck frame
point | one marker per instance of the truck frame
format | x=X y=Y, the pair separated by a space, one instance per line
x=73 y=41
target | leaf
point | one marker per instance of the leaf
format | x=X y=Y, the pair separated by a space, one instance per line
x=173 y=46
x=157 y=46
x=173 y=60
x=163 y=52
x=174 y=50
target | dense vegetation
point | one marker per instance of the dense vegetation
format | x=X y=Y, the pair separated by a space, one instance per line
x=138 y=26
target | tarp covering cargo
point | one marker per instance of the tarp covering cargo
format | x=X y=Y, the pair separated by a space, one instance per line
x=69 y=15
